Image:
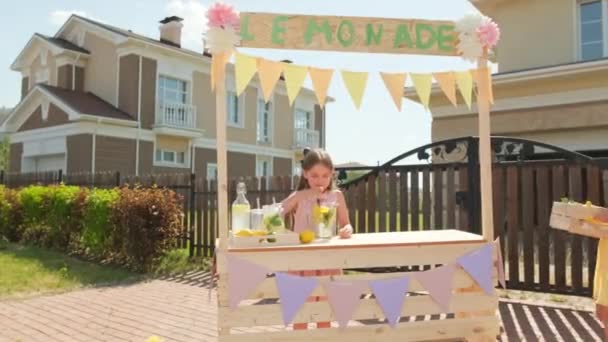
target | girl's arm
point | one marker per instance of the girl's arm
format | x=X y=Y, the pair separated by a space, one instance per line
x=291 y=202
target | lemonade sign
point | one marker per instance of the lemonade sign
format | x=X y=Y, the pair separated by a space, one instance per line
x=348 y=34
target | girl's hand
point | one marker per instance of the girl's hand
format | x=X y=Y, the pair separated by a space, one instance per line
x=346 y=231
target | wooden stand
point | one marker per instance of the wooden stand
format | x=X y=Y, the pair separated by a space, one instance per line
x=252 y=320
x=574 y=218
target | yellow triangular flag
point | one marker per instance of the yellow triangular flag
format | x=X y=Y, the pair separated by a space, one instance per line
x=355 y=83
x=269 y=73
x=394 y=84
x=244 y=69
x=447 y=83
x=294 y=79
x=320 y=82
x=464 y=79
x=218 y=66
x=475 y=73
x=423 y=84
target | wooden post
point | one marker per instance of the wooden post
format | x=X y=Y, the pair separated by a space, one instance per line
x=485 y=150
x=222 y=163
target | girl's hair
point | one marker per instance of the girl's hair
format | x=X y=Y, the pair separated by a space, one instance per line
x=312 y=158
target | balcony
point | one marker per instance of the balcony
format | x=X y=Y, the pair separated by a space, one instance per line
x=176 y=119
x=306 y=138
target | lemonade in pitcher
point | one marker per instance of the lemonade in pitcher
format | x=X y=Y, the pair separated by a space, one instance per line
x=324 y=219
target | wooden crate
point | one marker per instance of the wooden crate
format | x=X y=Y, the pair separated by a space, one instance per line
x=259 y=317
x=575 y=218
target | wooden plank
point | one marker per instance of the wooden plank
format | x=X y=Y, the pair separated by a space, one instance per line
x=351 y=198
x=361 y=211
x=451 y=198
x=498 y=186
x=426 y=199
x=513 y=224
x=576 y=242
x=463 y=187
x=353 y=34
x=270 y=314
x=415 y=200
x=543 y=199
x=302 y=257
x=437 y=198
x=487 y=327
x=371 y=204
x=559 y=237
x=201 y=247
x=393 y=187
x=527 y=210
x=381 y=203
x=404 y=224
x=268 y=288
x=212 y=211
x=593 y=195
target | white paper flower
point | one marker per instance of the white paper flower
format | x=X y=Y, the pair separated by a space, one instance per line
x=470 y=47
x=221 y=39
x=469 y=23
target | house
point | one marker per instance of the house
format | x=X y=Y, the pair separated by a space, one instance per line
x=99 y=98
x=552 y=78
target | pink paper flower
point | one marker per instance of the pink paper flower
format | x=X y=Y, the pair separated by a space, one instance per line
x=489 y=33
x=223 y=16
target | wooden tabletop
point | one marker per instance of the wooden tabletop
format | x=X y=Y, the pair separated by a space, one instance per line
x=376 y=240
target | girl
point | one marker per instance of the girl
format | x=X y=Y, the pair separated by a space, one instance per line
x=316 y=184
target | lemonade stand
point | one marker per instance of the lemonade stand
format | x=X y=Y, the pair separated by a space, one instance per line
x=259 y=297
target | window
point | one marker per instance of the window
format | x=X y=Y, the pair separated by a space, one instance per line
x=172 y=90
x=593 y=29
x=211 y=171
x=234 y=110
x=303 y=119
x=41 y=76
x=264 y=166
x=170 y=157
x=264 y=121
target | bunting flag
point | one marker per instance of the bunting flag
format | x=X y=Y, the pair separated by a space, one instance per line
x=244 y=69
x=478 y=265
x=423 y=84
x=355 y=83
x=344 y=298
x=438 y=282
x=218 y=66
x=243 y=278
x=464 y=79
x=501 y=265
x=294 y=79
x=269 y=73
x=320 y=82
x=447 y=83
x=394 y=84
x=390 y=295
x=293 y=292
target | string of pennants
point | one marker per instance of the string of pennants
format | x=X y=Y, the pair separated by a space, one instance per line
x=269 y=72
x=344 y=295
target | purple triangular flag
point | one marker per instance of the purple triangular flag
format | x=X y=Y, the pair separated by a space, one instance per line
x=501 y=265
x=478 y=265
x=439 y=283
x=243 y=277
x=390 y=294
x=344 y=298
x=293 y=292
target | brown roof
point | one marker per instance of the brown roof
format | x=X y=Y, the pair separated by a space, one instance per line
x=62 y=43
x=87 y=103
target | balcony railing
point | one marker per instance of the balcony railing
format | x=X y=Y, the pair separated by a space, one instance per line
x=176 y=115
x=306 y=138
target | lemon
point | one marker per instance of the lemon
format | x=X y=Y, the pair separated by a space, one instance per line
x=259 y=233
x=244 y=233
x=307 y=236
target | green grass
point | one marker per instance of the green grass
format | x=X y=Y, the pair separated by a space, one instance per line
x=32 y=270
x=29 y=270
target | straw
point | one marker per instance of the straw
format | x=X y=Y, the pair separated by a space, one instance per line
x=258 y=200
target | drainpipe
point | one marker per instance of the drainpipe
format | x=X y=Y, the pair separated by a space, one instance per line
x=138 y=119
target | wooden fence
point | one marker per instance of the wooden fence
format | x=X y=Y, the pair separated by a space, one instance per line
x=419 y=197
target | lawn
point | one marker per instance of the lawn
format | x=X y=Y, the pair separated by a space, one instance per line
x=29 y=270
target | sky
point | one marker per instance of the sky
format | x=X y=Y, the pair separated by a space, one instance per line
x=372 y=134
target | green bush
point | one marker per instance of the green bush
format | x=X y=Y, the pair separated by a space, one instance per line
x=10 y=215
x=5 y=212
x=98 y=219
x=65 y=216
x=148 y=221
